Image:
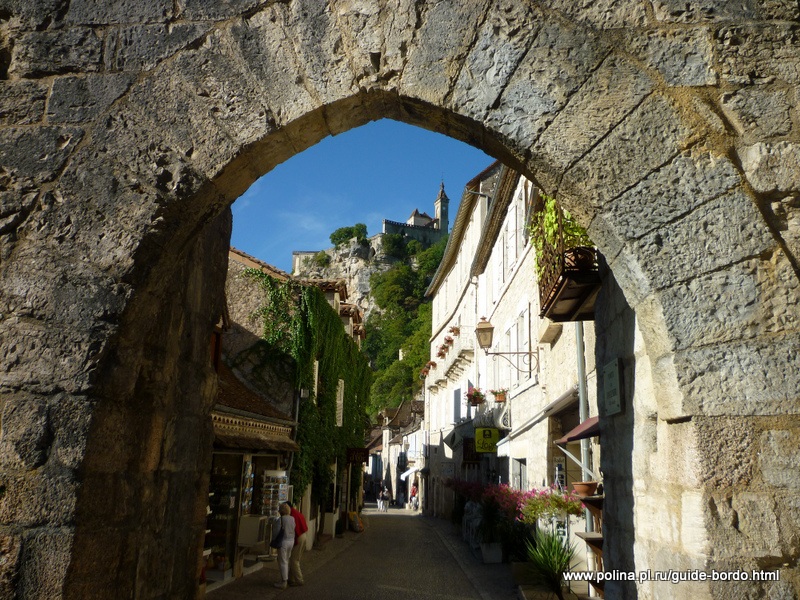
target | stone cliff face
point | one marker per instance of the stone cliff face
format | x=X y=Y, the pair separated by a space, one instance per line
x=355 y=263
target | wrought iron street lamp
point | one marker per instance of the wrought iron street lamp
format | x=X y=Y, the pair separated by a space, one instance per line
x=484 y=331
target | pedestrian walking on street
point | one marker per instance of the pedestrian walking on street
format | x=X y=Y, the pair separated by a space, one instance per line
x=300 y=529
x=285 y=551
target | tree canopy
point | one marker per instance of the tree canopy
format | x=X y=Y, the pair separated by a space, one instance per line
x=345 y=234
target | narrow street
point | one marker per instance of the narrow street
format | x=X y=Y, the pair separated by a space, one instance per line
x=400 y=555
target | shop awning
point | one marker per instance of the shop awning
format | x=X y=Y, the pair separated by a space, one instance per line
x=589 y=428
x=405 y=475
x=254 y=440
x=566 y=399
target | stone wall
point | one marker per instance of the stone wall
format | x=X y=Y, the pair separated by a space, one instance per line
x=126 y=129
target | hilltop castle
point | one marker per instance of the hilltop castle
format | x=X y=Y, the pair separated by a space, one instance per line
x=421 y=226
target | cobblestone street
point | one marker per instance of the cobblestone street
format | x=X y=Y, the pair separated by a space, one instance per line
x=400 y=555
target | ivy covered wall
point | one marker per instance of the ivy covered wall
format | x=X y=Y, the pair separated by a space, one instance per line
x=299 y=322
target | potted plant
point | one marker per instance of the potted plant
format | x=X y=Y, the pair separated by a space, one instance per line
x=549 y=557
x=585 y=488
x=442 y=353
x=475 y=396
x=448 y=340
x=455 y=330
x=500 y=394
x=430 y=364
x=548 y=503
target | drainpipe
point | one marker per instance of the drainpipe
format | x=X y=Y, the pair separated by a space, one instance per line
x=583 y=398
x=583 y=412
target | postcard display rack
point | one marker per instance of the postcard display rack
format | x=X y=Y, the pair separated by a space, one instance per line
x=274 y=490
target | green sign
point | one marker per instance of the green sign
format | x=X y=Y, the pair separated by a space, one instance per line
x=486 y=439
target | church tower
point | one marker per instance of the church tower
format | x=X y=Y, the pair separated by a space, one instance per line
x=441 y=210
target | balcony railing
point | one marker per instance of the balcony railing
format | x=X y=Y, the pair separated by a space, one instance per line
x=569 y=277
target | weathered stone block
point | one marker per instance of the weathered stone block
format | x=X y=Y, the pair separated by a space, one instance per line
x=162 y=168
x=77 y=99
x=10 y=555
x=779 y=458
x=96 y=12
x=673 y=190
x=727 y=452
x=558 y=61
x=45 y=559
x=649 y=137
x=42 y=497
x=502 y=41
x=772 y=167
x=699 y=11
x=758 y=110
x=602 y=14
x=33 y=360
x=25 y=438
x=683 y=57
x=318 y=46
x=183 y=439
x=376 y=39
x=442 y=41
x=194 y=10
x=70 y=418
x=268 y=53
x=39 y=153
x=757 y=523
x=615 y=89
x=704 y=11
x=739 y=301
x=52 y=52
x=751 y=54
x=759 y=377
x=22 y=102
x=694 y=536
x=669 y=254
x=142 y=47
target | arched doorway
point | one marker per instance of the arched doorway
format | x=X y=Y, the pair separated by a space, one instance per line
x=125 y=148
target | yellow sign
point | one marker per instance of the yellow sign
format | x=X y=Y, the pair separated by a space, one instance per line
x=486 y=439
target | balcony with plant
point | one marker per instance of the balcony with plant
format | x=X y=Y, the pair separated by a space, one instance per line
x=567 y=267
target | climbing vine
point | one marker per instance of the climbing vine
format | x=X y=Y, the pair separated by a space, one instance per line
x=298 y=321
x=545 y=229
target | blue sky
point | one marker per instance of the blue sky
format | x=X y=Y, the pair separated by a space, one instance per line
x=383 y=170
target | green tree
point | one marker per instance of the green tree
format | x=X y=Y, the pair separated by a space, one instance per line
x=345 y=234
x=394 y=246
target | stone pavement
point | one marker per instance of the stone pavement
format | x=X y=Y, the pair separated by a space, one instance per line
x=463 y=574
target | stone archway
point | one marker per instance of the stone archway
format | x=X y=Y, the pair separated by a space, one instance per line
x=128 y=131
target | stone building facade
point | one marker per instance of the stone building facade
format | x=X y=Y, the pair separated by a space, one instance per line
x=128 y=129
x=488 y=273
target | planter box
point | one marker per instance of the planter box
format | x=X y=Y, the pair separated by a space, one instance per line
x=492 y=552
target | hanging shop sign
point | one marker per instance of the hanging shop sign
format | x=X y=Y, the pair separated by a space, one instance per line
x=486 y=439
x=357 y=455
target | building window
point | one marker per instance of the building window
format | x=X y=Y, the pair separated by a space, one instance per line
x=456 y=405
x=519 y=473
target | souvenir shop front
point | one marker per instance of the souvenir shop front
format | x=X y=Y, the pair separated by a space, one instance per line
x=247 y=484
